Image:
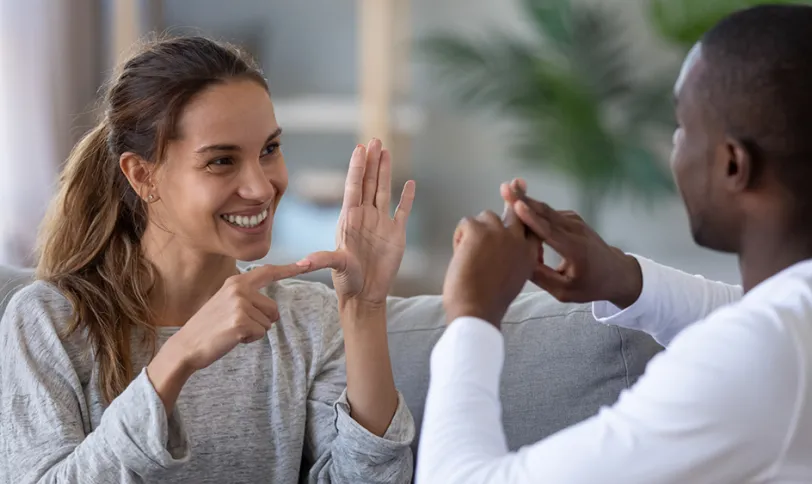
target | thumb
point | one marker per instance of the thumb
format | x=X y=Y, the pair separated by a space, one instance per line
x=512 y=221
x=261 y=276
x=327 y=259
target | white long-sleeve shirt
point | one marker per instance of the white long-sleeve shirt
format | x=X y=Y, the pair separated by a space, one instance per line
x=729 y=401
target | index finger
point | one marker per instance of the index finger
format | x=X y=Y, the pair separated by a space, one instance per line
x=545 y=228
x=261 y=276
x=559 y=220
x=327 y=259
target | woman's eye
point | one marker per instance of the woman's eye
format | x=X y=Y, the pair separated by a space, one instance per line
x=270 y=149
x=221 y=162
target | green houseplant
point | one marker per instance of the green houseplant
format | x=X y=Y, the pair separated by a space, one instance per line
x=684 y=21
x=571 y=90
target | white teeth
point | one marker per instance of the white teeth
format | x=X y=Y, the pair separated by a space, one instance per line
x=246 y=221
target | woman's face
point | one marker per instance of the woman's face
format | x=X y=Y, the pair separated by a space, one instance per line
x=224 y=174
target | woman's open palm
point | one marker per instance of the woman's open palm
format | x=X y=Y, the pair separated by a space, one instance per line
x=369 y=242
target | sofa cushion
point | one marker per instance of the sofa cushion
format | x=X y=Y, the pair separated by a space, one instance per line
x=561 y=366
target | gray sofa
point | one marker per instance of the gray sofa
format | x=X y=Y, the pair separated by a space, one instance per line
x=561 y=365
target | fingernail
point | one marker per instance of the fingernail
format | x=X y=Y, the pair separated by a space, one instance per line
x=359 y=147
x=303 y=263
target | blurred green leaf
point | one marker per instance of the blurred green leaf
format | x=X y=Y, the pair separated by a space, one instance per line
x=555 y=19
x=571 y=88
x=685 y=21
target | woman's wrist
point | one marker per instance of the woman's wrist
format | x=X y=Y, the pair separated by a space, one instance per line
x=168 y=372
x=370 y=385
x=357 y=313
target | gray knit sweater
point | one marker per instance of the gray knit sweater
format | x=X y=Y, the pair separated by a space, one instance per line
x=271 y=411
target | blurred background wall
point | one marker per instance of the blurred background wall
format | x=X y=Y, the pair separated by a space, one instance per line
x=343 y=70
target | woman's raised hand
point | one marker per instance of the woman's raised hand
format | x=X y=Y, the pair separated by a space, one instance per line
x=369 y=241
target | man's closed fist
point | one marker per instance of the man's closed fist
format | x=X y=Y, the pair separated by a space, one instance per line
x=493 y=258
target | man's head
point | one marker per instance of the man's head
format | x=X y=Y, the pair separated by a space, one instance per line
x=743 y=150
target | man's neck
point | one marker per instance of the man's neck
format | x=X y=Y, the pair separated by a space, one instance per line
x=767 y=252
x=187 y=279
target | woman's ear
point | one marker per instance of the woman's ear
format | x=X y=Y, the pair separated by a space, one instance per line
x=139 y=174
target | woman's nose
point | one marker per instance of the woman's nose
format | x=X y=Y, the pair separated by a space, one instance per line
x=255 y=183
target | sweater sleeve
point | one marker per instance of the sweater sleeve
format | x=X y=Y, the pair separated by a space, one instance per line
x=45 y=422
x=343 y=450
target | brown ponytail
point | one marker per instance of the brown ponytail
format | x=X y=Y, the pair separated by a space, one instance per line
x=89 y=251
x=90 y=242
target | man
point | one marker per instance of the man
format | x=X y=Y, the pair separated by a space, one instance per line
x=730 y=400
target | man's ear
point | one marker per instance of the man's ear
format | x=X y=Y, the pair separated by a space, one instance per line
x=139 y=174
x=740 y=170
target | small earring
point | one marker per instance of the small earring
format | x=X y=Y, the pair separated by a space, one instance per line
x=150 y=198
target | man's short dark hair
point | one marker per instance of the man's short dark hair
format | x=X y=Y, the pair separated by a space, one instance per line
x=757 y=79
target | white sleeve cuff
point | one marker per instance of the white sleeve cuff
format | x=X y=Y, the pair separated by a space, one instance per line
x=470 y=350
x=607 y=313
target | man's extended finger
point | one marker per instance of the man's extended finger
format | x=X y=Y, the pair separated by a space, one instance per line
x=558 y=220
x=354 y=186
x=371 y=171
x=544 y=228
x=327 y=259
x=572 y=216
x=261 y=276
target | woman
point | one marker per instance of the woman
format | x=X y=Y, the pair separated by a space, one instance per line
x=250 y=381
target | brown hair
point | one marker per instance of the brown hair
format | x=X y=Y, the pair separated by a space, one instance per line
x=90 y=242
